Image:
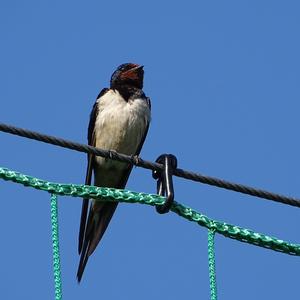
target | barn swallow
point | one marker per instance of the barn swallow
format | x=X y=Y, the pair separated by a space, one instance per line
x=119 y=121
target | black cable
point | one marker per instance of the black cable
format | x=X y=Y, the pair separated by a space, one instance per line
x=137 y=161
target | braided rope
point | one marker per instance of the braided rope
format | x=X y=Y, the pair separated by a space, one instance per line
x=211 y=264
x=110 y=194
x=137 y=161
x=55 y=248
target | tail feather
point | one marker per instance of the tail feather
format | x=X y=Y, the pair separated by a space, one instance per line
x=99 y=217
x=83 y=261
x=84 y=210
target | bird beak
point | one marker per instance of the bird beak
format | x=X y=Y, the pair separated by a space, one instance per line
x=137 y=68
x=133 y=73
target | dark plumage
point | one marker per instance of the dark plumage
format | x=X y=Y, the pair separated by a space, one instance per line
x=119 y=121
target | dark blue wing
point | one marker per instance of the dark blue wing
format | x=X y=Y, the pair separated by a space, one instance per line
x=89 y=170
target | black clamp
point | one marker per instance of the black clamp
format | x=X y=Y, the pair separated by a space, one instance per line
x=165 y=181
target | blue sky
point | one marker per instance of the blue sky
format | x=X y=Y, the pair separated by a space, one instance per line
x=223 y=77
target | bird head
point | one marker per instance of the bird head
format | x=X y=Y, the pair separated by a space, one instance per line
x=128 y=74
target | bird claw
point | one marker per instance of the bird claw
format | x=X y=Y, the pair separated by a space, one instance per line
x=135 y=159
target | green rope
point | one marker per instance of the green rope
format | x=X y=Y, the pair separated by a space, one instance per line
x=211 y=264
x=110 y=194
x=55 y=248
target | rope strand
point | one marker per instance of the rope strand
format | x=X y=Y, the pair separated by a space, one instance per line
x=55 y=248
x=139 y=162
x=111 y=194
x=211 y=264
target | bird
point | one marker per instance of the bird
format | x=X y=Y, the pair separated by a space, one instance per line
x=119 y=121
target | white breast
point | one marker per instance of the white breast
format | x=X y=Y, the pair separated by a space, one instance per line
x=120 y=126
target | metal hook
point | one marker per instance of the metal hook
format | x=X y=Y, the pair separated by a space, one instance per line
x=165 y=181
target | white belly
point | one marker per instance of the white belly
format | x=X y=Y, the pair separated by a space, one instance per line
x=119 y=126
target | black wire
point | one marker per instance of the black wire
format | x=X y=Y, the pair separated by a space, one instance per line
x=137 y=161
